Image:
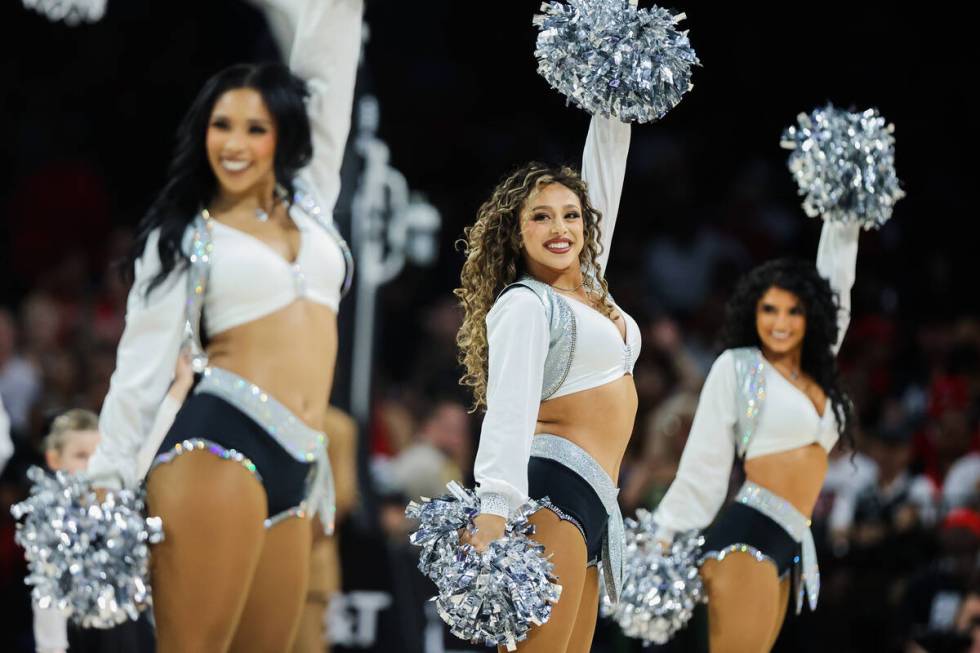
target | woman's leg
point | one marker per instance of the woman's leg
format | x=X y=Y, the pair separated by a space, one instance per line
x=588 y=612
x=564 y=543
x=275 y=600
x=784 y=586
x=212 y=512
x=324 y=581
x=743 y=603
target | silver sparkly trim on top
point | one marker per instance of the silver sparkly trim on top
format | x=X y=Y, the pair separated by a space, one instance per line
x=306 y=201
x=563 y=336
x=201 y=249
x=797 y=526
x=750 y=394
x=303 y=443
x=569 y=454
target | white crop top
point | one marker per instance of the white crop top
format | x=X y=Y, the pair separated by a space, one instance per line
x=787 y=420
x=247 y=278
x=601 y=354
x=518 y=337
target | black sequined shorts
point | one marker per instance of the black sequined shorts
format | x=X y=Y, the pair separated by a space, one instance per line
x=569 y=496
x=741 y=528
x=209 y=423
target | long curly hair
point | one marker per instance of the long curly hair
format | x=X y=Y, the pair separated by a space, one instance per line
x=820 y=306
x=494 y=260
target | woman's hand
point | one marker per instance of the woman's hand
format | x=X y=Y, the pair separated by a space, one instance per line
x=183 y=377
x=488 y=528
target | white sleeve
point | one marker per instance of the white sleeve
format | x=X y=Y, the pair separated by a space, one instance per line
x=518 y=336
x=6 y=445
x=145 y=362
x=701 y=484
x=325 y=51
x=604 y=169
x=836 y=262
x=164 y=419
x=50 y=630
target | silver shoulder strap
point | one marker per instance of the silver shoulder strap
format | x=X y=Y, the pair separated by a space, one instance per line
x=750 y=394
x=307 y=202
x=199 y=250
x=563 y=334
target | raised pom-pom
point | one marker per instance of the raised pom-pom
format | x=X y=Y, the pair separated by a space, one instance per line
x=844 y=164
x=615 y=60
x=72 y=12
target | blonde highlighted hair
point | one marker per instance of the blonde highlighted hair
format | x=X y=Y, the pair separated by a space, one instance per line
x=76 y=419
x=494 y=260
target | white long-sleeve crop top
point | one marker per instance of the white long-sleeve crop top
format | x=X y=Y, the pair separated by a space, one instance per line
x=787 y=420
x=518 y=339
x=247 y=279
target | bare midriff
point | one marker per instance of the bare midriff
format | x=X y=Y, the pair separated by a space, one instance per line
x=290 y=354
x=599 y=420
x=796 y=475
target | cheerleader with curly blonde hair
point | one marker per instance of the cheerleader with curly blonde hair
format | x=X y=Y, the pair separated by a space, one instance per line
x=549 y=356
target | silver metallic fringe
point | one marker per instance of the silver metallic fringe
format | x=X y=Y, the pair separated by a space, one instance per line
x=87 y=559
x=614 y=60
x=844 y=164
x=72 y=12
x=660 y=588
x=490 y=598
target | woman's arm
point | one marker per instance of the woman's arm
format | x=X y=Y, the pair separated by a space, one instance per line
x=326 y=44
x=166 y=413
x=604 y=170
x=518 y=336
x=836 y=262
x=50 y=630
x=145 y=363
x=701 y=484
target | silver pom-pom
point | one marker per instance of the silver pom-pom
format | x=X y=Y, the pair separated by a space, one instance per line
x=844 y=163
x=615 y=60
x=660 y=588
x=491 y=598
x=87 y=559
x=73 y=12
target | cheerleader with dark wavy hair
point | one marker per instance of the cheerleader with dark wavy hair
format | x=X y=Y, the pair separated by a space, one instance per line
x=773 y=405
x=239 y=259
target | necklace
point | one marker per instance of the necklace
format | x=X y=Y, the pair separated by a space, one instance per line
x=279 y=195
x=575 y=289
x=793 y=374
